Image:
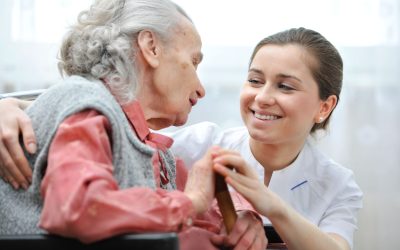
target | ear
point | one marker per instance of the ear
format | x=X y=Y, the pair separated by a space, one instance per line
x=150 y=47
x=326 y=108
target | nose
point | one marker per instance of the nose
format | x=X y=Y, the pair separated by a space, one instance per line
x=265 y=96
x=201 y=92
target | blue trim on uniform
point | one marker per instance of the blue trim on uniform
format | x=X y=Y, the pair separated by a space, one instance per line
x=301 y=183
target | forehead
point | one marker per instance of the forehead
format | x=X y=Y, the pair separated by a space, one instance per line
x=186 y=36
x=284 y=57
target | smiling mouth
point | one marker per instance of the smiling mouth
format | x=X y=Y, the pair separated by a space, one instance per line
x=266 y=117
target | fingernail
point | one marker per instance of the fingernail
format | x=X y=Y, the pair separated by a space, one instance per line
x=15 y=185
x=25 y=186
x=30 y=179
x=32 y=147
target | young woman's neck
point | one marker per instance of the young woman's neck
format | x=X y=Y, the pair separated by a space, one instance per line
x=275 y=157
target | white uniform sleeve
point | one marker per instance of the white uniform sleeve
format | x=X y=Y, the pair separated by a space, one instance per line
x=191 y=143
x=341 y=216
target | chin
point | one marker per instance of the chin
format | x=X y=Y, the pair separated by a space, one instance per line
x=180 y=121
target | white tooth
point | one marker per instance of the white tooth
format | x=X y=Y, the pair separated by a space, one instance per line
x=265 y=117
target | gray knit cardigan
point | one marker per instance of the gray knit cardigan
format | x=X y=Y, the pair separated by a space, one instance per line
x=20 y=210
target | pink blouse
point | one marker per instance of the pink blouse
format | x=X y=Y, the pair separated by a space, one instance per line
x=81 y=196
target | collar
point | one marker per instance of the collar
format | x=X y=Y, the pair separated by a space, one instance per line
x=135 y=115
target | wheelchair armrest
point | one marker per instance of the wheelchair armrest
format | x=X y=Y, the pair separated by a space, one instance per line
x=145 y=241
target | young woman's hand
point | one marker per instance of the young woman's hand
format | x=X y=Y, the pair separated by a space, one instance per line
x=14 y=167
x=246 y=181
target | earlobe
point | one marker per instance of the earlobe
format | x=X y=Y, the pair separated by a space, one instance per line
x=326 y=108
x=149 y=47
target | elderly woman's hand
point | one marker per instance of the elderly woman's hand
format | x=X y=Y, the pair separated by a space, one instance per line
x=248 y=233
x=14 y=167
x=200 y=185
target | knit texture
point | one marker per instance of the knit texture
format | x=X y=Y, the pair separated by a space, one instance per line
x=20 y=210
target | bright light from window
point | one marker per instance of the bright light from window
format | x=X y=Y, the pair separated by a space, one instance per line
x=44 y=21
x=345 y=23
x=236 y=23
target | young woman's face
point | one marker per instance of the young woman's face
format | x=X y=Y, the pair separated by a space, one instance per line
x=279 y=102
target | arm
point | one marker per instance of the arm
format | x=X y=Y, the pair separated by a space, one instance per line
x=79 y=180
x=14 y=167
x=295 y=230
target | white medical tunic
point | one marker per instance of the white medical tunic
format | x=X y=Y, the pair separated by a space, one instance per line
x=318 y=188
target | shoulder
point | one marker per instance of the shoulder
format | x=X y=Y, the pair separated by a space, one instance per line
x=200 y=133
x=192 y=142
x=76 y=88
x=322 y=165
x=74 y=94
x=327 y=177
x=234 y=138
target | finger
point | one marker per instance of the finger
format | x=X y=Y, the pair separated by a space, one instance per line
x=240 y=227
x=247 y=188
x=247 y=240
x=237 y=178
x=11 y=170
x=260 y=240
x=9 y=179
x=28 y=135
x=236 y=161
x=254 y=237
x=2 y=175
x=217 y=240
x=20 y=162
x=222 y=151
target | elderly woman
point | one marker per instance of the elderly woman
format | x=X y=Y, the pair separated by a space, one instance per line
x=98 y=170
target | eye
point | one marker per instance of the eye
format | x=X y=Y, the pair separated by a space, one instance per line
x=254 y=81
x=285 y=86
x=195 y=63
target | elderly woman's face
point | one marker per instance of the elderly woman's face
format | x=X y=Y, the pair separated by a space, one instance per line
x=177 y=87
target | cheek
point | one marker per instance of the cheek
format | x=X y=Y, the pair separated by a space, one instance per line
x=246 y=95
x=302 y=108
x=184 y=66
x=243 y=101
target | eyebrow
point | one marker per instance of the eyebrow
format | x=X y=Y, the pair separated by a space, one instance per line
x=281 y=75
x=289 y=76
x=256 y=71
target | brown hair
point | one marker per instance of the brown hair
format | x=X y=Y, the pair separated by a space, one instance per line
x=328 y=69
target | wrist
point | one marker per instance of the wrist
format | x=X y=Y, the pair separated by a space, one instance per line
x=279 y=211
x=195 y=203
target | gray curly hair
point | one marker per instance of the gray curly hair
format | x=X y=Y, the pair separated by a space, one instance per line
x=101 y=45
